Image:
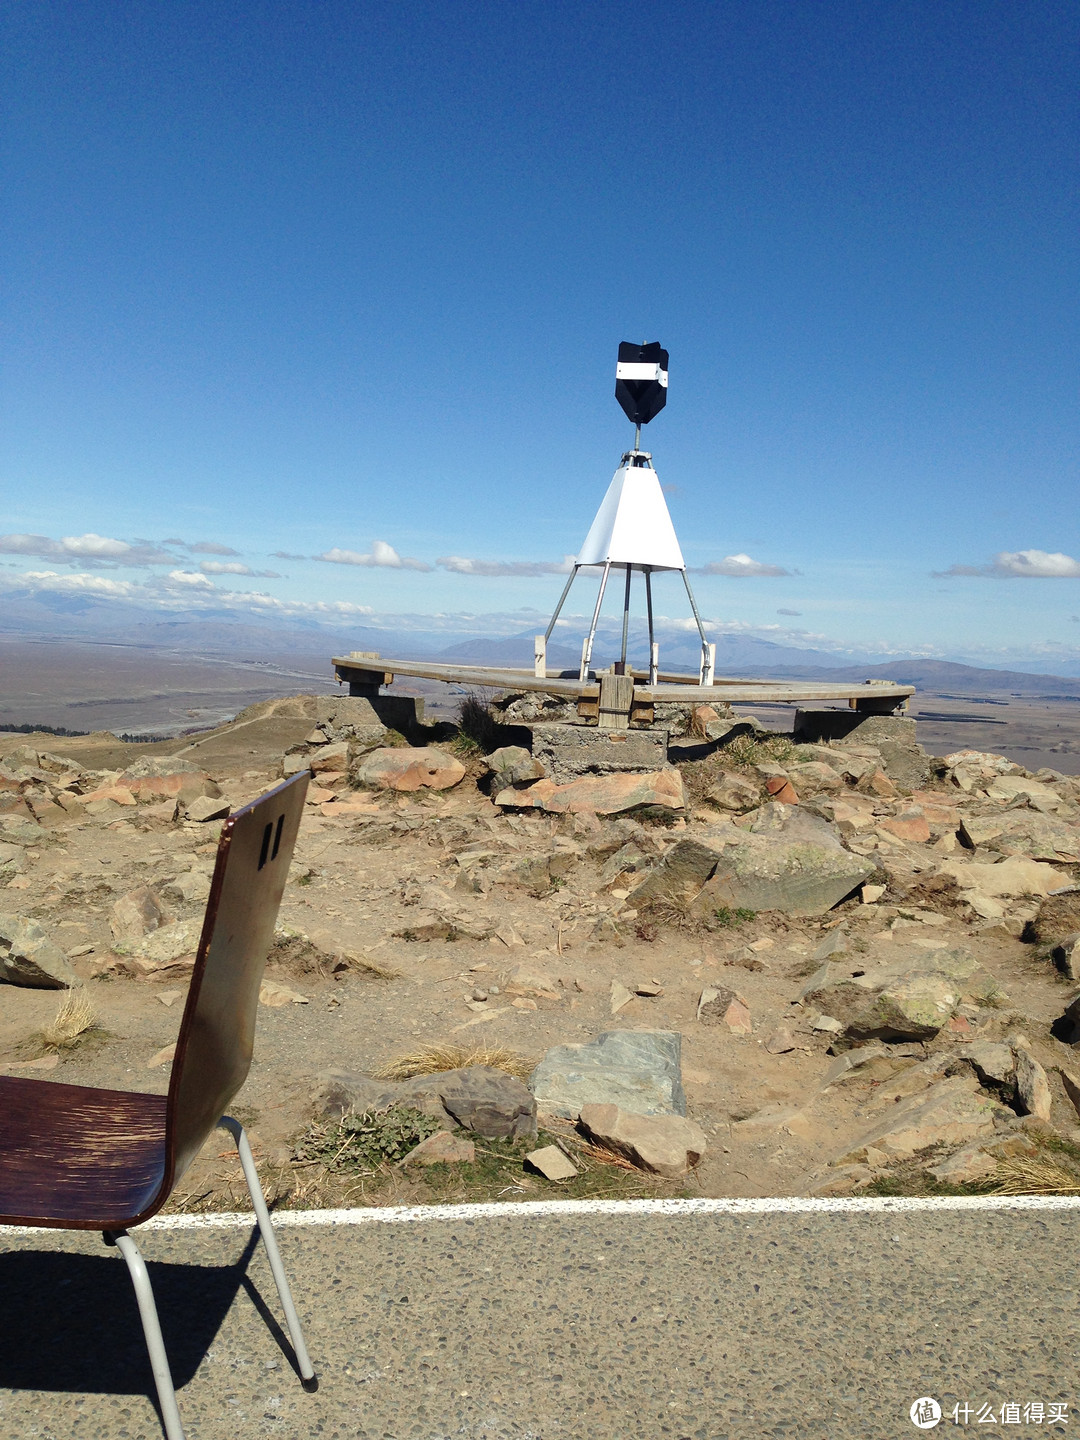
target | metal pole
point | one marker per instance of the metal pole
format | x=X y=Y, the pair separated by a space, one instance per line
x=637 y=437
x=626 y=615
x=652 y=643
x=562 y=602
x=701 y=629
x=155 y=1345
x=586 y=656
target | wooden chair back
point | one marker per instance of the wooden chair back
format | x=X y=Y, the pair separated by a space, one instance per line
x=213 y=1051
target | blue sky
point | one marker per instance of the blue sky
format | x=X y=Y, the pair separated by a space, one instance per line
x=347 y=279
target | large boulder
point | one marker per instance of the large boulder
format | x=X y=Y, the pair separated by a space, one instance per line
x=638 y=1070
x=477 y=1097
x=907 y=998
x=664 y=1144
x=29 y=957
x=601 y=794
x=404 y=768
x=679 y=876
x=513 y=765
x=806 y=874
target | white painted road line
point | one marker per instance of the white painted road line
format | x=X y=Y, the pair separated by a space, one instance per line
x=566 y=1209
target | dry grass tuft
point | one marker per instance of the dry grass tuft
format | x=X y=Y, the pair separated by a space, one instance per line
x=75 y=1017
x=1037 y=1175
x=432 y=1059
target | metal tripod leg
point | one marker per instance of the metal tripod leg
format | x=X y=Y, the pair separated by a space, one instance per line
x=266 y=1230
x=159 y=1361
x=586 y=654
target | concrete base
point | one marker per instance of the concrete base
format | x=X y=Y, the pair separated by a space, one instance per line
x=568 y=751
x=403 y=713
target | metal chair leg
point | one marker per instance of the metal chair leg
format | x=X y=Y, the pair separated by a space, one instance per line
x=262 y=1214
x=159 y=1361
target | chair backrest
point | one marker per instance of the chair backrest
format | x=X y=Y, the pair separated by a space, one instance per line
x=217 y=1033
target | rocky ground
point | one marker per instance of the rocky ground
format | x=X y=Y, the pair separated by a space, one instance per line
x=820 y=966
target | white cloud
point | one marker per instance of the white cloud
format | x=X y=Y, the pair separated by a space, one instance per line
x=788 y=612
x=208 y=547
x=235 y=567
x=1021 y=565
x=460 y=565
x=740 y=566
x=185 y=579
x=89 y=548
x=75 y=584
x=381 y=556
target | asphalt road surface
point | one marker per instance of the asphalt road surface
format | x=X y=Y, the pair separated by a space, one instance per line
x=686 y=1321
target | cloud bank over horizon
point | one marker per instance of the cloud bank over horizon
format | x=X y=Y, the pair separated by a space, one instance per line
x=1020 y=565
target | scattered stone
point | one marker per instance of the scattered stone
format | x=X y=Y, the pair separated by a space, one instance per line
x=980 y=1159
x=407 y=769
x=275 y=994
x=513 y=765
x=169 y=997
x=868 y=1062
x=637 y=1070
x=1014 y=876
x=163 y=1057
x=168 y=945
x=138 y=913
x=29 y=957
x=1032 y=1086
x=734 y=792
x=193 y=887
x=1072 y=1088
x=719 y=1006
x=664 y=1144
x=781 y=790
x=908 y=825
x=330 y=758
x=529 y=979
x=620 y=996
x=952 y=1112
x=871 y=894
x=551 y=1163
x=1057 y=917
x=650 y=989
x=827 y=1024
x=780 y=1042
x=442 y=1148
x=46 y=1062
x=204 y=809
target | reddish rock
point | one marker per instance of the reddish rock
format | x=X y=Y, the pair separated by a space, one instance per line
x=878 y=783
x=601 y=794
x=442 y=1148
x=407 y=769
x=908 y=825
x=781 y=790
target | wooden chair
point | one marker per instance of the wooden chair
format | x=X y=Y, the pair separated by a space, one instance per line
x=76 y=1158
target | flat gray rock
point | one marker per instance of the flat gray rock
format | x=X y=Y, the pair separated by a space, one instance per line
x=640 y=1071
x=29 y=957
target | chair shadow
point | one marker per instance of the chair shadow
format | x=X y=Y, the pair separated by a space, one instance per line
x=70 y=1322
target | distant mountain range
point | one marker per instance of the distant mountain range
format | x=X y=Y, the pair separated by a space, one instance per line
x=220 y=632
